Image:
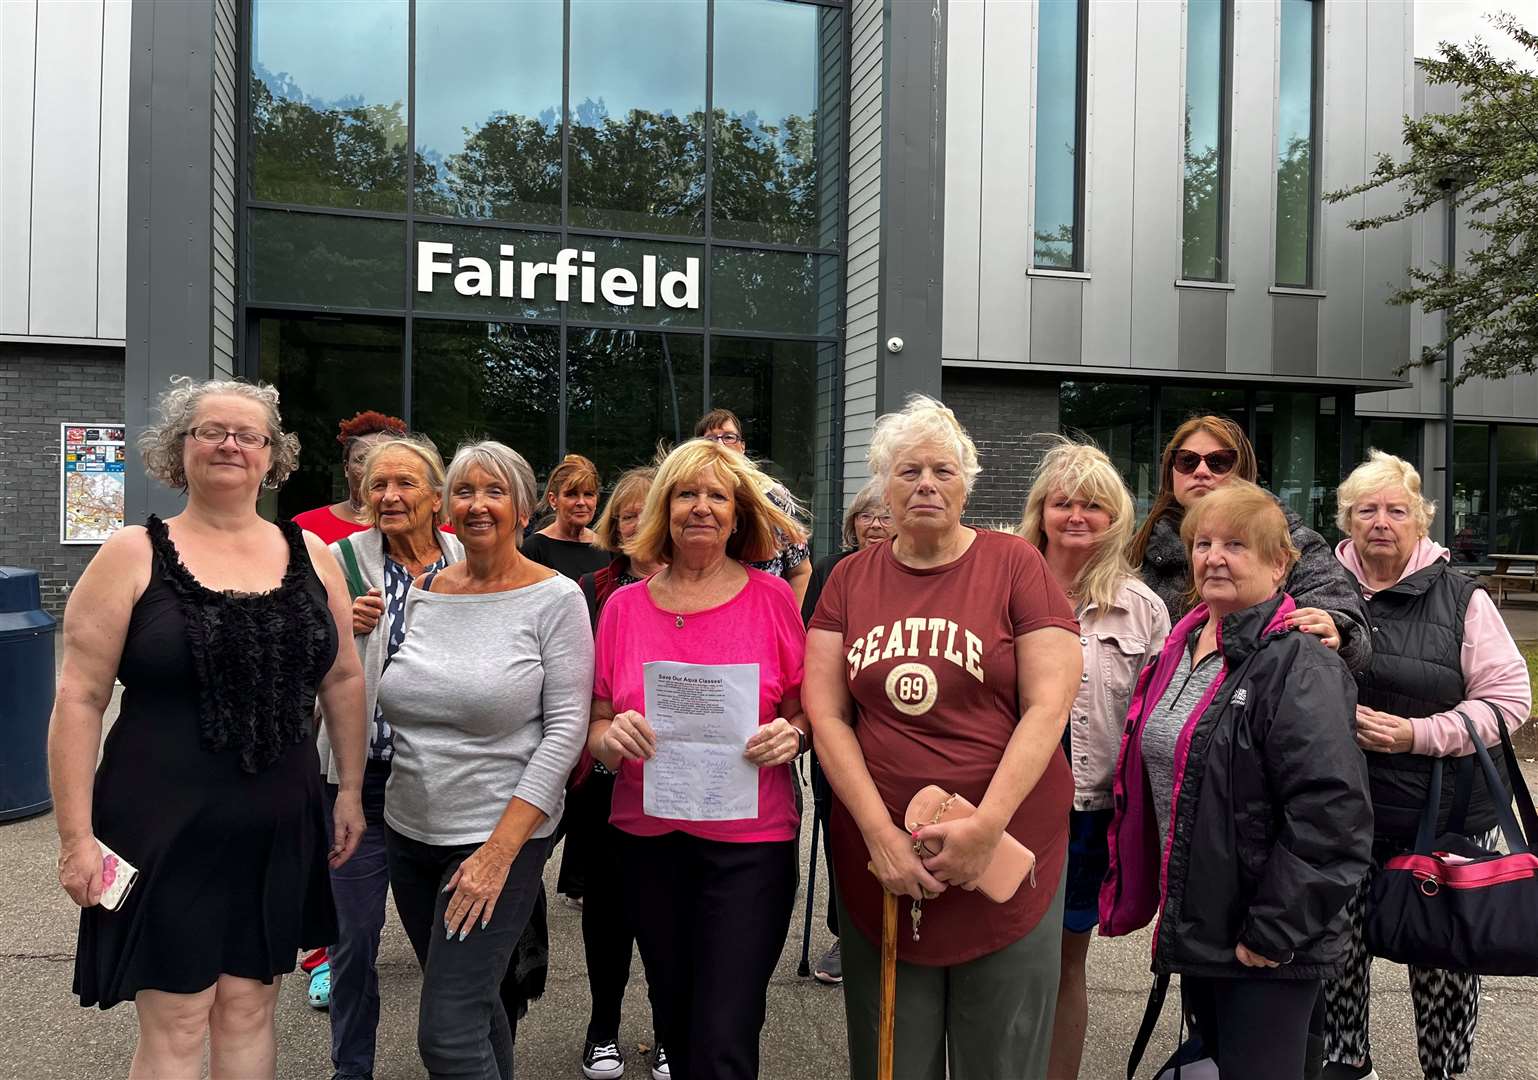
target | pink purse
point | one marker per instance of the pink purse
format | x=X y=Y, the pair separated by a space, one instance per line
x=1012 y=861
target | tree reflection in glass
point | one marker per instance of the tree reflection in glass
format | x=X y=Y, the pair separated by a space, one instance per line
x=1201 y=236
x=1295 y=146
x=625 y=389
x=1057 y=135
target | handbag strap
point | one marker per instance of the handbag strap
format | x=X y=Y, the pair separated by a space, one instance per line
x=350 y=567
x=1524 y=797
x=1426 y=833
x=1515 y=840
x=1145 y=1030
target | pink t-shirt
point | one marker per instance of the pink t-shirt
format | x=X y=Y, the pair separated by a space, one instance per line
x=760 y=625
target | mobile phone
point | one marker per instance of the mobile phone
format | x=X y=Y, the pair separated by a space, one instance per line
x=117 y=877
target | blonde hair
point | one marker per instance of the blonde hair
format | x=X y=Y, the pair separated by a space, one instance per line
x=867 y=499
x=503 y=462
x=423 y=448
x=573 y=469
x=923 y=421
x=632 y=485
x=1381 y=471
x=160 y=444
x=762 y=528
x=1250 y=510
x=1082 y=470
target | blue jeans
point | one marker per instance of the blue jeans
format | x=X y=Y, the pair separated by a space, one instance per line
x=359 y=887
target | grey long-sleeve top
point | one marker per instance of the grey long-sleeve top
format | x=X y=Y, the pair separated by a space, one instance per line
x=488 y=697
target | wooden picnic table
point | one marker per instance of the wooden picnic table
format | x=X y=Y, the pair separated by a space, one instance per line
x=1504 y=563
x=1512 y=573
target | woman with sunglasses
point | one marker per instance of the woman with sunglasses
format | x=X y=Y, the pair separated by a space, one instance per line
x=1204 y=454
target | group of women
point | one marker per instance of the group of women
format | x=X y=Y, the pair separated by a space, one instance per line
x=1215 y=724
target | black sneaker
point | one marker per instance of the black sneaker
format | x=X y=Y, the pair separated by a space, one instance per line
x=1339 y=1070
x=660 y=1070
x=602 y=1061
x=830 y=969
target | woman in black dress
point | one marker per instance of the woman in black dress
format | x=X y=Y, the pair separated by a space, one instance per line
x=222 y=628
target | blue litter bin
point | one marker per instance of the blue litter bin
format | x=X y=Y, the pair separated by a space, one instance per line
x=26 y=694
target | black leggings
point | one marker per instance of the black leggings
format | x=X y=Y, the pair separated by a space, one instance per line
x=1257 y=1029
x=712 y=918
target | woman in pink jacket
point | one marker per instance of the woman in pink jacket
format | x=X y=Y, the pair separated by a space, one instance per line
x=1440 y=649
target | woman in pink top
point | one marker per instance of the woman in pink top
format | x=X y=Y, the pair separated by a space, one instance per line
x=713 y=897
x=1440 y=651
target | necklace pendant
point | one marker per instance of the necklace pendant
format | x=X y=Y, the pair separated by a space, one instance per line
x=678 y=621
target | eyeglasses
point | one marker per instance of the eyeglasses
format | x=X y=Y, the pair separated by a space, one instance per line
x=868 y=518
x=1218 y=462
x=214 y=435
x=729 y=438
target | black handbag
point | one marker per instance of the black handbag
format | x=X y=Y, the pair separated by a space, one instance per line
x=1454 y=906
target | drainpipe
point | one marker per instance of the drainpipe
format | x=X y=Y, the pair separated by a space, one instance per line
x=1448 y=392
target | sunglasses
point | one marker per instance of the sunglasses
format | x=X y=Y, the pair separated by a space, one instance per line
x=1219 y=462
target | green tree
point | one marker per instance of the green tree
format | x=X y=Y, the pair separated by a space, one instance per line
x=1485 y=157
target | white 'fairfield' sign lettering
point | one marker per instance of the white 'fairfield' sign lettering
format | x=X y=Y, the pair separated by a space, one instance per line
x=520 y=278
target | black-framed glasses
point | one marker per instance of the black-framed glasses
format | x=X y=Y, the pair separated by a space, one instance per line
x=1218 y=462
x=214 y=435
x=729 y=438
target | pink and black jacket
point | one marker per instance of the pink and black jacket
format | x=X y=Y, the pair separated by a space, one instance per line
x=1272 y=823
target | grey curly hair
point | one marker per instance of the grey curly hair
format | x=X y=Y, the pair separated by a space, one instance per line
x=160 y=444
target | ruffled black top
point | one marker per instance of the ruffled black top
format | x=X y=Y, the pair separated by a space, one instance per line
x=258 y=657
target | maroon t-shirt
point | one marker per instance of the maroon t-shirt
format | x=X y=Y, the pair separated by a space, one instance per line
x=930 y=663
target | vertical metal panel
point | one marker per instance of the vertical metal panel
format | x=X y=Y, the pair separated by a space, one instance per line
x=1253 y=169
x=1203 y=329
x=1111 y=105
x=1345 y=161
x=1386 y=333
x=1156 y=192
x=18 y=42
x=965 y=22
x=65 y=148
x=226 y=60
x=1057 y=320
x=1003 y=320
x=861 y=344
x=112 y=215
x=1295 y=335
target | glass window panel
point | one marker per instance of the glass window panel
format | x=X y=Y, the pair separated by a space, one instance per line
x=1402 y=438
x=1297 y=449
x=328 y=103
x=1114 y=416
x=772 y=387
x=486 y=245
x=637 y=99
x=625 y=389
x=478 y=380
x=1177 y=404
x=1295 y=147
x=326 y=369
x=1206 y=111
x=488 y=131
x=1470 y=520
x=778 y=70
x=1057 y=134
x=321 y=259
x=1516 y=478
x=775 y=291
x=683 y=287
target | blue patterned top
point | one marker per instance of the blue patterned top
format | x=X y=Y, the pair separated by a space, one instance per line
x=398 y=580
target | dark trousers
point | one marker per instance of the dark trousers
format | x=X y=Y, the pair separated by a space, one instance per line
x=1255 y=1029
x=711 y=921
x=359 y=887
x=462 y=1027
x=822 y=808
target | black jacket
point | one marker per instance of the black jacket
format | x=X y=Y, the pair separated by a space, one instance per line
x=1318 y=580
x=1273 y=823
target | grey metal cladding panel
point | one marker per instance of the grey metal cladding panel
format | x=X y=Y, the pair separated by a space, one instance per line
x=1057 y=321
x=1203 y=315
x=1252 y=141
x=963 y=178
x=1003 y=326
x=1346 y=159
x=18 y=51
x=864 y=243
x=1110 y=131
x=1156 y=192
x=1386 y=333
x=1295 y=335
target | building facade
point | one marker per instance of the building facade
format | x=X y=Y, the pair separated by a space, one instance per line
x=575 y=225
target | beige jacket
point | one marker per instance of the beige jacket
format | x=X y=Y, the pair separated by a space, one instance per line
x=1117 y=642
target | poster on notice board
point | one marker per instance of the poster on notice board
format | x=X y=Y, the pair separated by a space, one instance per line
x=91 y=479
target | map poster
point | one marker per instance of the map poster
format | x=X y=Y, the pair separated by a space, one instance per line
x=91 y=500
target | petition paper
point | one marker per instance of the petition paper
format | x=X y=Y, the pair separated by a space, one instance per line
x=703 y=716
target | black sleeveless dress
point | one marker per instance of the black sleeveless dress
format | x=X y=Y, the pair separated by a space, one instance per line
x=210 y=785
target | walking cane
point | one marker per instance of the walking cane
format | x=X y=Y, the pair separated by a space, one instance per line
x=886 y=1033
x=804 y=969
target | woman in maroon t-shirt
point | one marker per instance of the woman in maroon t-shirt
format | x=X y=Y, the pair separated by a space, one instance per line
x=948 y=656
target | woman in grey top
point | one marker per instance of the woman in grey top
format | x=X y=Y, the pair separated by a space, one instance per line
x=488 y=700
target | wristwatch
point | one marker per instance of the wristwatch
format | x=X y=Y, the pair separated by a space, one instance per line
x=803 y=742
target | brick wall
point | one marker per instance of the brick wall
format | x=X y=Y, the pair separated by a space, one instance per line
x=1005 y=414
x=41 y=387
